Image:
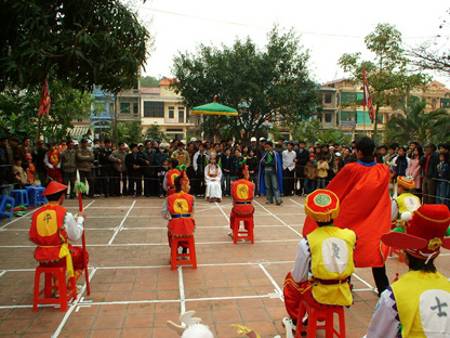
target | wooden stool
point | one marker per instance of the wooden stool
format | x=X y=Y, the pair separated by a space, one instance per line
x=246 y=234
x=189 y=258
x=320 y=313
x=52 y=274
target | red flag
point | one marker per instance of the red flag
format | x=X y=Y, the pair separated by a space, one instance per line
x=45 y=101
x=367 y=101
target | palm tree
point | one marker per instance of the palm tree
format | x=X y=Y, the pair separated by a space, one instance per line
x=417 y=125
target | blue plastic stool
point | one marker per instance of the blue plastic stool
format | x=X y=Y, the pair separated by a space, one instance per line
x=20 y=197
x=4 y=200
x=35 y=195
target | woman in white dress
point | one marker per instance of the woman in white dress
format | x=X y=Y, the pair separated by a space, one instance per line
x=213 y=179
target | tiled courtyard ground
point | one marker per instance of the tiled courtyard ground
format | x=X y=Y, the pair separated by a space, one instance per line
x=134 y=292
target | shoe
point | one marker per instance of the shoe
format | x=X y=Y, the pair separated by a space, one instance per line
x=280 y=202
x=268 y=202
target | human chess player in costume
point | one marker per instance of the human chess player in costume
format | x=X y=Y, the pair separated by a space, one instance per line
x=179 y=210
x=53 y=228
x=213 y=180
x=362 y=188
x=418 y=303
x=242 y=192
x=324 y=260
x=405 y=203
x=169 y=177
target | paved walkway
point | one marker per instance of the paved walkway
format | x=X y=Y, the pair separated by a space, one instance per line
x=134 y=292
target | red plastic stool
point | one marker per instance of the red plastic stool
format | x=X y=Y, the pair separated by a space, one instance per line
x=52 y=275
x=320 y=313
x=246 y=234
x=177 y=259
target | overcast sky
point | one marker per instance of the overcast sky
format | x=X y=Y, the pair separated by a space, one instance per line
x=327 y=28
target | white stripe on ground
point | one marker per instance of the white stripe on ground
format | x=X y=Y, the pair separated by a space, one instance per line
x=16 y=219
x=181 y=287
x=279 y=219
x=119 y=227
x=72 y=307
x=278 y=290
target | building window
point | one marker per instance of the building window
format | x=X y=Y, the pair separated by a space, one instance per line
x=124 y=107
x=153 y=109
x=135 y=108
x=327 y=98
x=328 y=117
x=181 y=114
x=171 y=112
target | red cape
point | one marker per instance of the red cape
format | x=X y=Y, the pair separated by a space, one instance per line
x=365 y=209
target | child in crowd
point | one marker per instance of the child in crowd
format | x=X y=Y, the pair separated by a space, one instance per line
x=322 y=172
x=310 y=175
x=19 y=174
x=442 y=184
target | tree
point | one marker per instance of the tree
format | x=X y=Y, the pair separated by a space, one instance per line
x=434 y=54
x=18 y=111
x=81 y=42
x=417 y=125
x=388 y=75
x=149 y=81
x=154 y=133
x=309 y=131
x=129 y=132
x=265 y=85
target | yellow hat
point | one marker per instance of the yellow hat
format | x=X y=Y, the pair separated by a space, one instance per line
x=322 y=205
x=406 y=182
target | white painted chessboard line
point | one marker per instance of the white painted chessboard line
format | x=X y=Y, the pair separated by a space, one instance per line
x=121 y=223
x=222 y=212
x=279 y=219
x=268 y=241
x=181 y=290
x=72 y=308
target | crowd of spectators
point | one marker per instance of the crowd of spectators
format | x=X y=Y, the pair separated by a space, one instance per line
x=138 y=169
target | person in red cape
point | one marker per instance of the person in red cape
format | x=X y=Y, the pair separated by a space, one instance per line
x=362 y=188
x=242 y=192
x=324 y=260
x=418 y=303
x=53 y=162
x=179 y=210
x=52 y=228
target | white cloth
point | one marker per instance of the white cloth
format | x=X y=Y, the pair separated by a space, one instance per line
x=213 y=179
x=74 y=227
x=302 y=264
x=288 y=158
x=384 y=321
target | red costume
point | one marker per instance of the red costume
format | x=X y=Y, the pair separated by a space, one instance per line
x=54 y=159
x=242 y=192
x=365 y=208
x=47 y=231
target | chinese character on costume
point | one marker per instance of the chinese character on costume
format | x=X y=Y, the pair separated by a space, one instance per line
x=242 y=192
x=418 y=303
x=324 y=260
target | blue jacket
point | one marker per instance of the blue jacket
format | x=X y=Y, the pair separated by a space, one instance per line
x=278 y=171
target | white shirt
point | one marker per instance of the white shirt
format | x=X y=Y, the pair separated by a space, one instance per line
x=288 y=158
x=385 y=321
x=302 y=264
x=74 y=228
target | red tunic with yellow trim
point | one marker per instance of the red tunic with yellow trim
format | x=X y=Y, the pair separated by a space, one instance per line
x=242 y=192
x=362 y=189
x=180 y=206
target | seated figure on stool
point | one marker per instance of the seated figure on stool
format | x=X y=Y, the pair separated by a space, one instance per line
x=406 y=202
x=324 y=261
x=51 y=230
x=179 y=210
x=418 y=303
x=242 y=192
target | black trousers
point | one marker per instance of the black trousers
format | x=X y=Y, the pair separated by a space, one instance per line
x=119 y=179
x=87 y=176
x=288 y=182
x=380 y=278
x=135 y=182
x=69 y=178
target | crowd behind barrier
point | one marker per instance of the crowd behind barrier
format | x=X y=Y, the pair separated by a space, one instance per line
x=139 y=169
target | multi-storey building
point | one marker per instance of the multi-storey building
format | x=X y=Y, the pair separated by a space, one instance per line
x=342 y=106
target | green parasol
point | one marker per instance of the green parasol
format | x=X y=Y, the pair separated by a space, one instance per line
x=214 y=108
